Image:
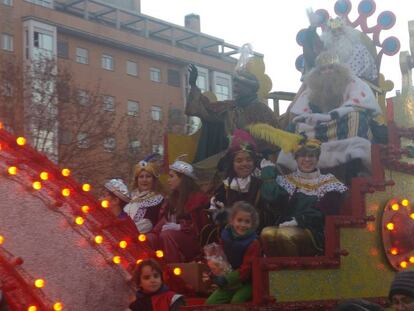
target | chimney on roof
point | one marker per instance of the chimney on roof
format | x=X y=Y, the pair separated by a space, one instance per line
x=192 y=21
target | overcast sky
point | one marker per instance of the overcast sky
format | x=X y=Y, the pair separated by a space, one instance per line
x=271 y=27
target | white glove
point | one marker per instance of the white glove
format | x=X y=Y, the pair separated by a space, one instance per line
x=319 y=117
x=214 y=204
x=144 y=225
x=265 y=163
x=342 y=111
x=290 y=223
x=171 y=226
x=301 y=118
x=313 y=118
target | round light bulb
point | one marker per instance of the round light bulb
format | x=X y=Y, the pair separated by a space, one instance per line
x=390 y=226
x=85 y=209
x=123 y=244
x=98 y=239
x=21 y=141
x=394 y=251
x=117 y=260
x=12 y=170
x=44 y=175
x=65 y=172
x=57 y=306
x=395 y=207
x=403 y=264
x=39 y=283
x=139 y=261
x=105 y=203
x=86 y=187
x=177 y=271
x=142 y=237
x=66 y=192
x=1 y=239
x=405 y=202
x=159 y=253
x=32 y=308
x=79 y=220
x=37 y=185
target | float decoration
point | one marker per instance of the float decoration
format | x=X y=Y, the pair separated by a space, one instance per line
x=397 y=230
x=100 y=238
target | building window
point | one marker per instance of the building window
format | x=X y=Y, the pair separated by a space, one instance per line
x=109 y=144
x=133 y=108
x=7 y=42
x=63 y=49
x=134 y=146
x=8 y=2
x=83 y=141
x=45 y=3
x=132 y=68
x=158 y=149
x=82 y=56
x=222 y=92
x=222 y=85
x=43 y=45
x=107 y=62
x=156 y=113
x=109 y=103
x=202 y=79
x=83 y=97
x=155 y=74
x=174 y=77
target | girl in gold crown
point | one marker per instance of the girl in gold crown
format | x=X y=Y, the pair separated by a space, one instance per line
x=305 y=197
x=147 y=198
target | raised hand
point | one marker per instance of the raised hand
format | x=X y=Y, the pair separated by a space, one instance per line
x=192 y=70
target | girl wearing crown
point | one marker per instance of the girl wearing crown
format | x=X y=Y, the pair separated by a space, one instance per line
x=147 y=198
x=117 y=194
x=240 y=183
x=305 y=197
x=178 y=232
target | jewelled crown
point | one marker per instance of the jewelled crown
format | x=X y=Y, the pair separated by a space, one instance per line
x=118 y=188
x=183 y=168
x=327 y=58
x=149 y=164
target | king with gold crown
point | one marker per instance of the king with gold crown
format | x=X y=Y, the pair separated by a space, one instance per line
x=339 y=109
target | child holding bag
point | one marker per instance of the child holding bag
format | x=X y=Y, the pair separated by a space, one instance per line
x=240 y=246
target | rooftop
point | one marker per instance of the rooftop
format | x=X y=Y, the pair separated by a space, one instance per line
x=148 y=27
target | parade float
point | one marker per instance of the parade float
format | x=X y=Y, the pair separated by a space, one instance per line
x=61 y=249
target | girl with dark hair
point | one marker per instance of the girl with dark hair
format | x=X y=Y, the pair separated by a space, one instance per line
x=240 y=183
x=179 y=230
x=152 y=294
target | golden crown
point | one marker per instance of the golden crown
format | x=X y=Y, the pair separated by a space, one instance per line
x=326 y=58
x=311 y=143
x=150 y=167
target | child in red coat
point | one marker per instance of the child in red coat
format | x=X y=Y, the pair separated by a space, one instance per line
x=241 y=246
x=152 y=294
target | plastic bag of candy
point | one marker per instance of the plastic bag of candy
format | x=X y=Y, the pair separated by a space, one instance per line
x=216 y=259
